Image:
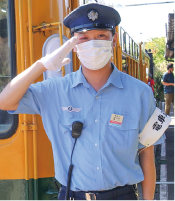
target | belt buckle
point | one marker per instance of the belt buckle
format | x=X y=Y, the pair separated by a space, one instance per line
x=90 y=196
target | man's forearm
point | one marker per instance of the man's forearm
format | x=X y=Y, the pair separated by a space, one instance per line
x=14 y=91
x=147 y=164
x=168 y=84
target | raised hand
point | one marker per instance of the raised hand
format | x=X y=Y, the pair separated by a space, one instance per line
x=57 y=59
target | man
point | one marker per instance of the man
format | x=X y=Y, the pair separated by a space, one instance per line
x=105 y=158
x=151 y=82
x=168 y=82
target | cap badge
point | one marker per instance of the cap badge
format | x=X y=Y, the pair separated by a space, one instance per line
x=92 y=15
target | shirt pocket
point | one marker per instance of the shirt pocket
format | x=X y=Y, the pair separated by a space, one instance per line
x=124 y=138
x=65 y=123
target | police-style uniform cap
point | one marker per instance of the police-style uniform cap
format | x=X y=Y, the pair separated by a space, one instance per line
x=92 y=16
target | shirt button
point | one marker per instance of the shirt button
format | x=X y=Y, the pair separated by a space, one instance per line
x=96 y=97
x=96 y=120
x=98 y=168
x=95 y=144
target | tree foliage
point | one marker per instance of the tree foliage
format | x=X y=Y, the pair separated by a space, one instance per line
x=158 y=87
x=157 y=46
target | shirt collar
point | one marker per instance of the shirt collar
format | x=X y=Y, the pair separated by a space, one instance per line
x=79 y=79
x=114 y=78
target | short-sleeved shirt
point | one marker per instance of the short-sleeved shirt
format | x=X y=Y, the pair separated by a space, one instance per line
x=105 y=155
x=169 y=78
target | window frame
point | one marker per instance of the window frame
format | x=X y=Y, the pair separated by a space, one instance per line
x=12 y=40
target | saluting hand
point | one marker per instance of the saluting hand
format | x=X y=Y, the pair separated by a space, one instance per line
x=57 y=59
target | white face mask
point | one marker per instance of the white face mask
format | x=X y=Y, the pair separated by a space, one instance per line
x=94 y=54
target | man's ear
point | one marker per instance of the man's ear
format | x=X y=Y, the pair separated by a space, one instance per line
x=115 y=39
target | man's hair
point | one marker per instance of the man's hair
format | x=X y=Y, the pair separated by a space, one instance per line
x=170 y=65
x=150 y=75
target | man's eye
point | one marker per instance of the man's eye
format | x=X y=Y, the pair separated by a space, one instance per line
x=101 y=36
x=84 y=38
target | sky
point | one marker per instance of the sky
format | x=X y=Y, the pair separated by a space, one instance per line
x=142 y=22
x=145 y=22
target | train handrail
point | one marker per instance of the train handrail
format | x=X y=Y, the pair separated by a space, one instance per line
x=48 y=27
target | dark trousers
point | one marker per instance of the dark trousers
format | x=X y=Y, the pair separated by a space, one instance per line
x=129 y=196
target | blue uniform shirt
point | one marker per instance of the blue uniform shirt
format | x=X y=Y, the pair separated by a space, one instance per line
x=105 y=155
x=169 y=78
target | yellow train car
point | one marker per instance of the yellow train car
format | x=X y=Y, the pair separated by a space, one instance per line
x=131 y=57
x=26 y=160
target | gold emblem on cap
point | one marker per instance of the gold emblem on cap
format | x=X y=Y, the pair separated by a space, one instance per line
x=92 y=15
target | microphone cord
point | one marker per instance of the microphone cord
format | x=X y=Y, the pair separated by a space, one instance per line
x=70 y=173
x=73 y=150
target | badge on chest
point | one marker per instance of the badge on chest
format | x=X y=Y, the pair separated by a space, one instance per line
x=116 y=120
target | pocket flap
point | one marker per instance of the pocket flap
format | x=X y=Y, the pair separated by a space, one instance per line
x=67 y=119
x=128 y=124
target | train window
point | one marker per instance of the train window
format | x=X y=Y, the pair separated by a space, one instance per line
x=51 y=44
x=82 y=2
x=124 y=41
x=143 y=55
x=136 y=51
x=124 y=64
x=131 y=46
x=122 y=31
x=143 y=51
x=85 y=1
x=127 y=43
x=121 y=37
x=8 y=123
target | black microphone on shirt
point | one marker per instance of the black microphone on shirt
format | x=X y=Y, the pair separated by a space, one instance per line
x=77 y=128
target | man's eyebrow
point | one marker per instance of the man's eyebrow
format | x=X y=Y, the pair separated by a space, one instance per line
x=86 y=32
x=82 y=33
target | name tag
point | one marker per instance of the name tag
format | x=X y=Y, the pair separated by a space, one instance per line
x=116 y=120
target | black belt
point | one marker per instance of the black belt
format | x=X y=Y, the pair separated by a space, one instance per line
x=102 y=195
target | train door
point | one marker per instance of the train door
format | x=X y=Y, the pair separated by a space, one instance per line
x=26 y=159
x=8 y=123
